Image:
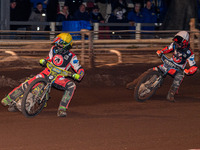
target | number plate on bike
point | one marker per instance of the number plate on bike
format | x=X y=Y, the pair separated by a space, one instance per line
x=56 y=70
x=168 y=63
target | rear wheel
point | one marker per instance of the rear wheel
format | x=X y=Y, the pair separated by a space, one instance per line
x=147 y=86
x=34 y=98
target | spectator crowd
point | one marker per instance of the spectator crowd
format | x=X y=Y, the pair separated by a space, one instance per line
x=96 y=11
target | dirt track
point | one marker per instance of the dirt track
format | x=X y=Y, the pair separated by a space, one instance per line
x=104 y=116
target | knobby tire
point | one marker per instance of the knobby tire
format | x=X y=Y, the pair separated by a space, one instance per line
x=25 y=96
x=143 y=80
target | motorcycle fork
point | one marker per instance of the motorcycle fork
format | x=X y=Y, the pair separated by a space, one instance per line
x=47 y=90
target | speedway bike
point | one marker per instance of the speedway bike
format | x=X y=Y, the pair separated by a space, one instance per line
x=150 y=81
x=37 y=93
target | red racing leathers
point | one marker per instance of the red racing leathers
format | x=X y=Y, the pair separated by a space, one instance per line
x=181 y=57
x=64 y=61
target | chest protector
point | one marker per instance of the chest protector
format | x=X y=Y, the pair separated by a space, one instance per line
x=181 y=56
x=61 y=60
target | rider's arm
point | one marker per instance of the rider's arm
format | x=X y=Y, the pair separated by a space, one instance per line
x=77 y=67
x=49 y=58
x=165 y=50
x=193 y=67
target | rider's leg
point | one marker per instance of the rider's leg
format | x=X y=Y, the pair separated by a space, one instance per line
x=178 y=78
x=18 y=91
x=14 y=94
x=69 y=87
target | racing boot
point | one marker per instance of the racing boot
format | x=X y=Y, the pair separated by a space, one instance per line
x=12 y=108
x=62 y=112
x=170 y=96
x=6 y=101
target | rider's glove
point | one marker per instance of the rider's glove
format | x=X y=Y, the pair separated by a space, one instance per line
x=76 y=76
x=187 y=71
x=43 y=62
x=159 y=53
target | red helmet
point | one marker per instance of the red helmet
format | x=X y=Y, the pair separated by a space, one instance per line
x=182 y=39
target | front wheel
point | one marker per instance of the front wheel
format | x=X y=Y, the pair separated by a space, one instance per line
x=147 y=86
x=35 y=97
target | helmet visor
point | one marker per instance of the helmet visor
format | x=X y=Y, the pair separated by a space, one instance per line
x=61 y=43
x=178 y=39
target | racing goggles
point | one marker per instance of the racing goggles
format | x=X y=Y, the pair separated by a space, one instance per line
x=61 y=43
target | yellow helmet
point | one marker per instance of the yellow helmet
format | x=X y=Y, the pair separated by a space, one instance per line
x=63 y=40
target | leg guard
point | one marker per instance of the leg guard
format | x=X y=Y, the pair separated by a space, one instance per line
x=175 y=86
x=14 y=94
x=68 y=94
x=177 y=82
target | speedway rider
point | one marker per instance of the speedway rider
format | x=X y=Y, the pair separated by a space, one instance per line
x=61 y=56
x=181 y=55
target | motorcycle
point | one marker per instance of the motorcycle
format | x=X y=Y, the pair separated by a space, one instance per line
x=37 y=93
x=151 y=80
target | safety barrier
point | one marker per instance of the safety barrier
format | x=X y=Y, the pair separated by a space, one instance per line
x=92 y=52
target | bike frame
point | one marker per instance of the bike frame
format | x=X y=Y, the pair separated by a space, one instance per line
x=54 y=73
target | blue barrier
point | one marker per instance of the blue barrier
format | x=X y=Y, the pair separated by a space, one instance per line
x=72 y=26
